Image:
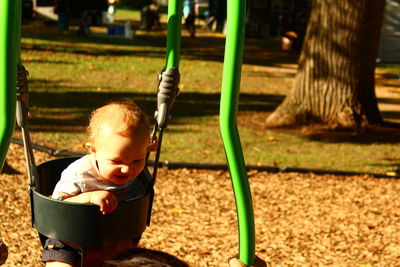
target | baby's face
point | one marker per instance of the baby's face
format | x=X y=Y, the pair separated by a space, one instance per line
x=120 y=159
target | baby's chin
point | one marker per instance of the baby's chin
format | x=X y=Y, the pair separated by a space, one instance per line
x=117 y=179
x=121 y=179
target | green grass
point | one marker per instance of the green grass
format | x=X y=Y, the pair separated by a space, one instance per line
x=128 y=14
x=391 y=69
x=72 y=75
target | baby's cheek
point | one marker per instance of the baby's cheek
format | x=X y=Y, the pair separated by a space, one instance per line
x=108 y=171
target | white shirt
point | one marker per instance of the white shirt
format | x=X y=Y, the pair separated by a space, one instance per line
x=82 y=176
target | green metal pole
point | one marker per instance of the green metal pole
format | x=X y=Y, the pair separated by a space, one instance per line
x=174 y=33
x=236 y=10
x=10 y=37
x=164 y=97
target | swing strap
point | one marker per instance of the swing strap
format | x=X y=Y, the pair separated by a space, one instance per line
x=167 y=91
x=22 y=121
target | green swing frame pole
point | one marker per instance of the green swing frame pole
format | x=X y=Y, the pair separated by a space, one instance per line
x=10 y=38
x=174 y=33
x=172 y=60
x=236 y=10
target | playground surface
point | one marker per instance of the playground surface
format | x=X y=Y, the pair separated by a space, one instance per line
x=301 y=219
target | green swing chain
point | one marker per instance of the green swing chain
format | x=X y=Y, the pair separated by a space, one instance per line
x=174 y=34
x=236 y=10
x=168 y=89
x=13 y=80
x=10 y=38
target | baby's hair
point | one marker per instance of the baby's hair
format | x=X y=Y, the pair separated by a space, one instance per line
x=122 y=117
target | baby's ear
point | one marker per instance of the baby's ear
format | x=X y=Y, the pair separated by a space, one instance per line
x=90 y=147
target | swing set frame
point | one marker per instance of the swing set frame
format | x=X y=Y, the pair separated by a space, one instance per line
x=10 y=62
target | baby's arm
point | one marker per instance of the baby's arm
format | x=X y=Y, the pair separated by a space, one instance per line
x=106 y=200
x=69 y=189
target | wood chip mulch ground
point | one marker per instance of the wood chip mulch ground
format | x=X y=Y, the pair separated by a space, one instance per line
x=301 y=219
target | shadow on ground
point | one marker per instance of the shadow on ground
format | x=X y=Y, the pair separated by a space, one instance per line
x=68 y=111
x=206 y=46
x=145 y=258
x=388 y=133
x=373 y=134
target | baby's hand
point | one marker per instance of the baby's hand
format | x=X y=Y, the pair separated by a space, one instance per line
x=152 y=145
x=106 y=200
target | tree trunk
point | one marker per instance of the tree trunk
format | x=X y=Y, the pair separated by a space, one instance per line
x=335 y=82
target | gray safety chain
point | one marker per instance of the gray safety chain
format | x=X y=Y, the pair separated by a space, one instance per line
x=22 y=121
x=167 y=92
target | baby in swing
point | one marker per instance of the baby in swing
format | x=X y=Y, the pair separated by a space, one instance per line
x=118 y=141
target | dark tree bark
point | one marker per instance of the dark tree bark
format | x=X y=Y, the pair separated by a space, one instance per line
x=335 y=82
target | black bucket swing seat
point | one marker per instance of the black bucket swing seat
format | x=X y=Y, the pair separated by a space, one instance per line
x=84 y=224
